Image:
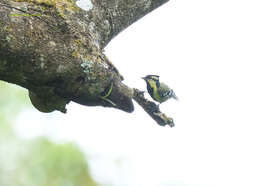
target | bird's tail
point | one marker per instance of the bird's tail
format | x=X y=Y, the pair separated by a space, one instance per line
x=173 y=95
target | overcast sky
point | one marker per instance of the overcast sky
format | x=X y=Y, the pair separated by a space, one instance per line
x=209 y=53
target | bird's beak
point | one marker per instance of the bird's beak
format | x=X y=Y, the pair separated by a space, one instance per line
x=143 y=78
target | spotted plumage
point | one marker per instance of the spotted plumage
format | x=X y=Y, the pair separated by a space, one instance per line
x=159 y=91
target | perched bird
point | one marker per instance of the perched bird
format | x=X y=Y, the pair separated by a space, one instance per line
x=159 y=91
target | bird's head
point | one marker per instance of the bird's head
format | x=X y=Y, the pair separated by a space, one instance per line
x=151 y=77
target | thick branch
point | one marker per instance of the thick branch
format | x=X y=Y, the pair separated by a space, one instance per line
x=55 y=50
x=119 y=14
x=54 y=54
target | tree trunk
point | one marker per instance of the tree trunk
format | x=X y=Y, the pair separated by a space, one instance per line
x=55 y=50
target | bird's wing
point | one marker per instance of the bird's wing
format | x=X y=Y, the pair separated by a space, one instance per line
x=165 y=91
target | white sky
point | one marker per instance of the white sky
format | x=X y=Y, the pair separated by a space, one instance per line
x=209 y=53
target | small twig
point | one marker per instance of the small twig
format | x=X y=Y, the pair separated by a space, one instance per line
x=152 y=109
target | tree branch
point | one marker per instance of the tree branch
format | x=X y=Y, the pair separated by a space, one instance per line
x=55 y=50
x=119 y=14
x=49 y=51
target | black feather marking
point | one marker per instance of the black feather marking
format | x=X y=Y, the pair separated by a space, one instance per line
x=150 y=89
x=157 y=83
x=168 y=93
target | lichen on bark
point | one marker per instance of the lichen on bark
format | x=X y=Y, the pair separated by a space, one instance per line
x=55 y=50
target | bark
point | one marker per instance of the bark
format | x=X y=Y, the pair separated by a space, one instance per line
x=55 y=50
x=152 y=109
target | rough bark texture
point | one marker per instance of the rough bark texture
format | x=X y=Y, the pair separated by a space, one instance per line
x=55 y=50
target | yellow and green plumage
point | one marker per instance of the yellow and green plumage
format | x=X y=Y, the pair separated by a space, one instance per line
x=159 y=91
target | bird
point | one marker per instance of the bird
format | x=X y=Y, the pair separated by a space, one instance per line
x=159 y=91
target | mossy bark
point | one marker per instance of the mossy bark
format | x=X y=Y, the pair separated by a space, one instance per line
x=55 y=50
